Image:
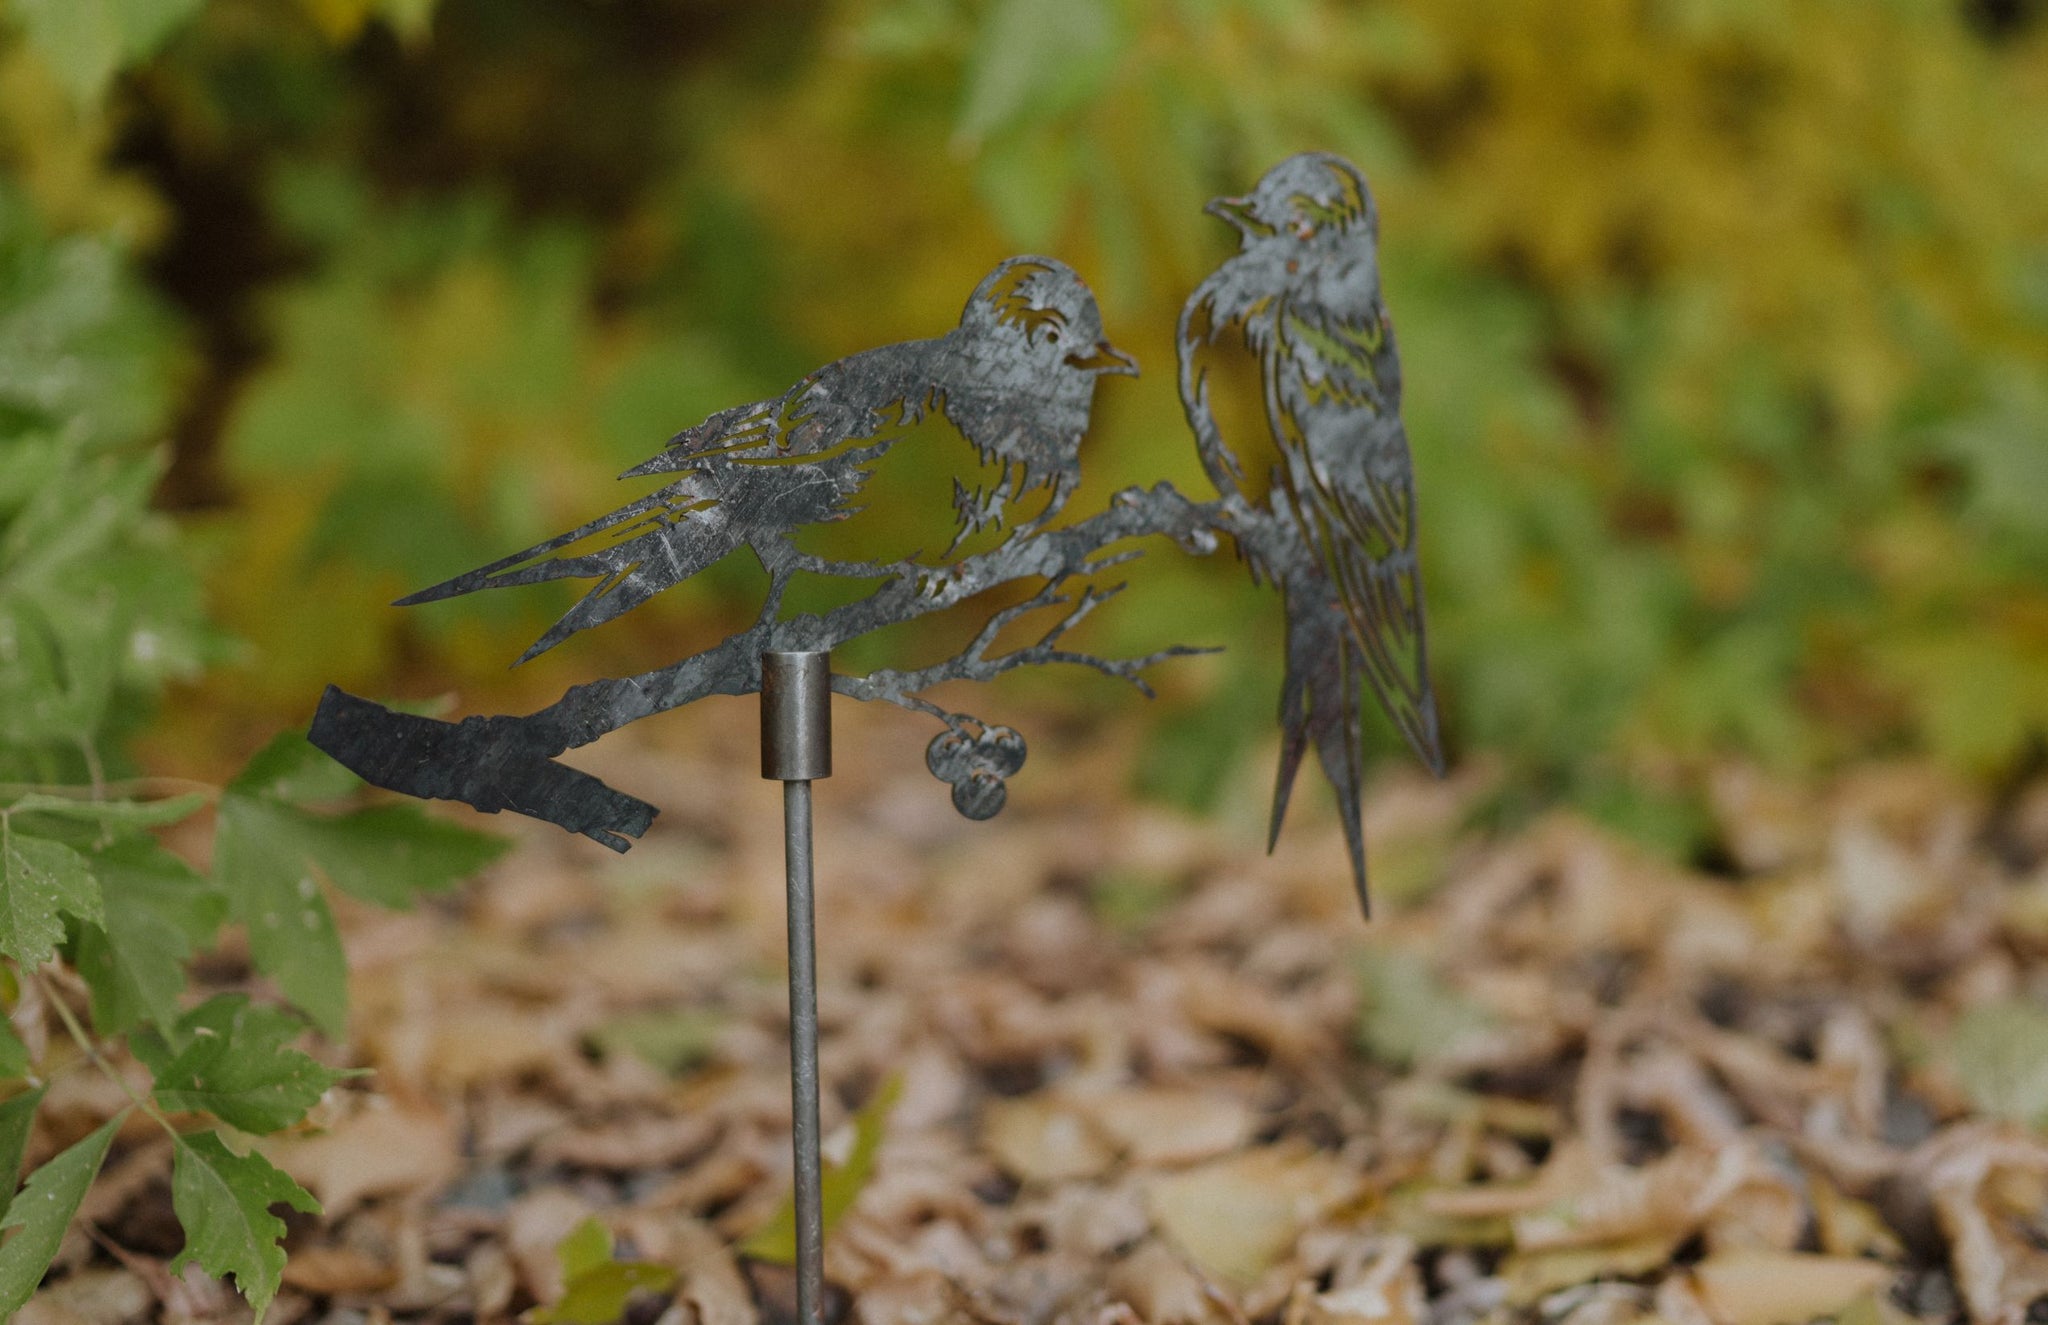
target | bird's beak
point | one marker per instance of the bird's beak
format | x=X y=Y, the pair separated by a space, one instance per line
x=1105 y=358
x=1238 y=211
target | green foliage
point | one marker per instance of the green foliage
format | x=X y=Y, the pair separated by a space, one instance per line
x=223 y=1201
x=270 y=853
x=99 y=607
x=1722 y=329
x=596 y=1288
x=40 y=882
x=840 y=1184
x=17 y=1120
x=42 y=1210
x=235 y=1065
x=85 y=41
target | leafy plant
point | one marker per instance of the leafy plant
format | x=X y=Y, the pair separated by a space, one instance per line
x=98 y=608
x=595 y=1286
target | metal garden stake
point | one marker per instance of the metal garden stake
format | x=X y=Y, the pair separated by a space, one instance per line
x=796 y=750
x=1331 y=524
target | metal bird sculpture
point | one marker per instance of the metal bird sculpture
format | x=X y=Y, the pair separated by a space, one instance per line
x=1016 y=377
x=1298 y=306
x=1335 y=532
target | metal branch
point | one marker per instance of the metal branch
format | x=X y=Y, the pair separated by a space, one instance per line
x=507 y=762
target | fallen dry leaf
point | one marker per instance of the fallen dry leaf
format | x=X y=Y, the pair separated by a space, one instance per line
x=1782 y=1288
x=1160 y=1127
x=1041 y=1138
x=1234 y=1217
x=378 y=1150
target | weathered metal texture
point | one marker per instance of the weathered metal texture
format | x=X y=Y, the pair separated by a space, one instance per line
x=796 y=716
x=1335 y=532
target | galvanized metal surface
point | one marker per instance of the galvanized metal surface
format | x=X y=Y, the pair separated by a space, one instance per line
x=1334 y=530
x=796 y=747
x=796 y=716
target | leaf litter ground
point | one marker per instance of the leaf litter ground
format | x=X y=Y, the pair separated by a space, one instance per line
x=1097 y=1062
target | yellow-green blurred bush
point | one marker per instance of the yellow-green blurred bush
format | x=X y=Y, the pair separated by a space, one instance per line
x=1725 y=323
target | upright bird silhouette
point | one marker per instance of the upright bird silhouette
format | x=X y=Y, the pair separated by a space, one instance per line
x=1336 y=531
x=1016 y=377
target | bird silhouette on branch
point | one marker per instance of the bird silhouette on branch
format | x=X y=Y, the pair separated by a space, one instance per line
x=1015 y=379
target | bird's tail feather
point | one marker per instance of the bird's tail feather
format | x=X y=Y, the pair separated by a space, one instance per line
x=527 y=566
x=1320 y=701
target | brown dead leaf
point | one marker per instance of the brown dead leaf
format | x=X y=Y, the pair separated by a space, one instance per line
x=379 y=1150
x=325 y=1271
x=920 y=1297
x=1782 y=1288
x=90 y=1297
x=1163 y=1290
x=1042 y=1138
x=1156 y=1126
x=1384 y=1290
x=492 y=1280
x=711 y=1282
x=1534 y=1275
x=1995 y=1264
x=633 y=1145
x=1235 y=1217
x=1847 y=1226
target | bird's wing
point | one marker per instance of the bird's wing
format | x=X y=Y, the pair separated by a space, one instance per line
x=737 y=482
x=1332 y=393
x=632 y=553
x=846 y=400
x=1213 y=308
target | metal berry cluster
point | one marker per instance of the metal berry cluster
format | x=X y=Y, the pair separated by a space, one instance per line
x=977 y=767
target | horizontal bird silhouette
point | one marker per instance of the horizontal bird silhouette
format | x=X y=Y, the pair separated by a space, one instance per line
x=1016 y=378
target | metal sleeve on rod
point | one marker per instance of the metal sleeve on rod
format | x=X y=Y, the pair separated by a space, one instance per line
x=796 y=716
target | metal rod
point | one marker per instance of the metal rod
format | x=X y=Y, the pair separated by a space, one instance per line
x=803 y=1056
x=796 y=748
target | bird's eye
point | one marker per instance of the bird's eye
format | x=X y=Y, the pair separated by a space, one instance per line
x=1052 y=337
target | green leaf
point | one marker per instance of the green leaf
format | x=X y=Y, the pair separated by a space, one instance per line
x=40 y=882
x=265 y=857
x=596 y=1288
x=291 y=768
x=587 y=1247
x=17 y=1120
x=43 y=1210
x=159 y=911
x=1408 y=1015
x=840 y=1183
x=2000 y=1055
x=13 y=1056
x=223 y=1201
x=391 y=853
x=236 y=1067
x=260 y=859
x=115 y=814
x=86 y=41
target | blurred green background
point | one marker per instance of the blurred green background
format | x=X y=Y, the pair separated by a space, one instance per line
x=1725 y=326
